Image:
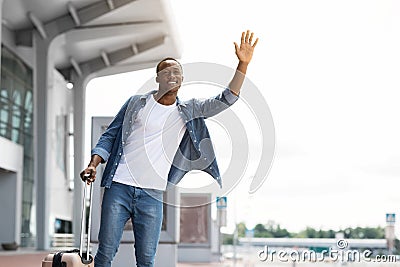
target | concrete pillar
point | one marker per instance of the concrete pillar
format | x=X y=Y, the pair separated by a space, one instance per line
x=1 y=36
x=79 y=150
x=42 y=83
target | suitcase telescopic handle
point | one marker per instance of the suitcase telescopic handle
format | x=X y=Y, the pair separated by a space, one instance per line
x=83 y=220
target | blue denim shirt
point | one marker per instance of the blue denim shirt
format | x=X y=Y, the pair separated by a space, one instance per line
x=195 y=151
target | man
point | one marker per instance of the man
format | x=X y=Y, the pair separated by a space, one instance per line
x=155 y=139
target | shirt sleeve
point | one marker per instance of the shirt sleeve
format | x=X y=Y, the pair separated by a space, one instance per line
x=214 y=105
x=106 y=141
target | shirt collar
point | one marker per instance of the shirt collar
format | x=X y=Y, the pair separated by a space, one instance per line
x=144 y=97
x=178 y=101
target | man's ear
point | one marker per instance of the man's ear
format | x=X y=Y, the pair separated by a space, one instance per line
x=157 y=81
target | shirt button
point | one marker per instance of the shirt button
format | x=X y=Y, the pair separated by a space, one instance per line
x=195 y=141
x=190 y=131
x=205 y=158
x=112 y=175
x=120 y=154
x=116 y=164
x=210 y=168
x=130 y=121
x=123 y=143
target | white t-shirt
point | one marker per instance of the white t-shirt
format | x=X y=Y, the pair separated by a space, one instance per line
x=151 y=147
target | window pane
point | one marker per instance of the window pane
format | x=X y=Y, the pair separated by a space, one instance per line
x=17 y=94
x=15 y=135
x=16 y=113
x=16 y=119
x=3 y=129
x=28 y=123
x=28 y=101
x=4 y=115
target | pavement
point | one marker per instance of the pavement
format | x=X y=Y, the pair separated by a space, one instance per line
x=21 y=258
x=32 y=258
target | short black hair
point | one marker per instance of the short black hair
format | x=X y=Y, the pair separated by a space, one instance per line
x=165 y=59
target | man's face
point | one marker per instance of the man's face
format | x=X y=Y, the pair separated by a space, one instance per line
x=169 y=77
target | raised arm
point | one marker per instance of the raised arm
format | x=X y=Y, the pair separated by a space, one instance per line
x=244 y=53
x=226 y=98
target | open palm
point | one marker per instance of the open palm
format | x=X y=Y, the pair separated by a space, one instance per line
x=244 y=52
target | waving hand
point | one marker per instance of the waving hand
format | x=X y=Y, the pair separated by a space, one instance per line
x=244 y=52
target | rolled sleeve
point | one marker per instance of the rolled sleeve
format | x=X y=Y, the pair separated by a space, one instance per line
x=230 y=97
x=104 y=154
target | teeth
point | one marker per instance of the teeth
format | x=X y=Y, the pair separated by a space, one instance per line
x=172 y=82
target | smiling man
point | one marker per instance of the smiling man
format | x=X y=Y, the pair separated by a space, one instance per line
x=153 y=141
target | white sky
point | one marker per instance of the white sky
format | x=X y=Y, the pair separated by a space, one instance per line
x=329 y=71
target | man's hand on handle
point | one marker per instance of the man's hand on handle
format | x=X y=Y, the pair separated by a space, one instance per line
x=88 y=175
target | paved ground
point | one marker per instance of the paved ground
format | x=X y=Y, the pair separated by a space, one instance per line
x=21 y=259
x=24 y=258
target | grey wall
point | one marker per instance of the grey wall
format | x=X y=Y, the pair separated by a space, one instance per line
x=7 y=208
x=11 y=170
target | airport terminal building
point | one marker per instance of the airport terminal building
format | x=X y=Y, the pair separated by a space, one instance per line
x=46 y=47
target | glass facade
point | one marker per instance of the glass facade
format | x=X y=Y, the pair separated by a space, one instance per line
x=16 y=124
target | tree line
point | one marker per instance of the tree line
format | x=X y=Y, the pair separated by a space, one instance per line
x=272 y=229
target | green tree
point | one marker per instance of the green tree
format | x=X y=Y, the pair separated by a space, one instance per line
x=301 y=234
x=271 y=229
x=396 y=247
x=311 y=232
x=227 y=239
x=280 y=232
x=366 y=232
x=241 y=228
x=261 y=231
x=378 y=232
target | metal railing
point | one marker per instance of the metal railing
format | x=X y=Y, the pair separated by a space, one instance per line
x=63 y=241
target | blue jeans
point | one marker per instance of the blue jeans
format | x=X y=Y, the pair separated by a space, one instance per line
x=145 y=208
